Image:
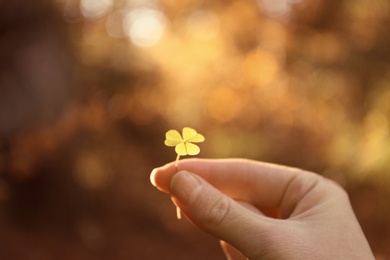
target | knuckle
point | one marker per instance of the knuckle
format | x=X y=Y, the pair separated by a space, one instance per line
x=217 y=212
x=336 y=188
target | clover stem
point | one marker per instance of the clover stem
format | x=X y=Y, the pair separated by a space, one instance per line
x=178 y=212
x=177 y=161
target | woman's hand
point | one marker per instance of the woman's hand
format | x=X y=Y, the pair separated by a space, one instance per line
x=265 y=211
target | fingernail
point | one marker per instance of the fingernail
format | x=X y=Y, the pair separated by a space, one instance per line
x=185 y=186
x=152 y=177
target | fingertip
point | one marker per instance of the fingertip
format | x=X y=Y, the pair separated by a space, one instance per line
x=157 y=180
x=153 y=177
x=160 y=177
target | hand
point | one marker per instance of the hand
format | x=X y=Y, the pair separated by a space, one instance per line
x=265 y=211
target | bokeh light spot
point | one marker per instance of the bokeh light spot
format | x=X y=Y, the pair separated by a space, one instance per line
x=223 y=104
x=114 y=25
x=91 y=172
x=144 y=26
x=280 y=8
x=93 y=9
x=260 y=67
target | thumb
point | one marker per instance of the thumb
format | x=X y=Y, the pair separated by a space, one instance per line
x=216 y=213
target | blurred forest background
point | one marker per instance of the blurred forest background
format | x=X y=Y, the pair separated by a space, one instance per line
x=88 y=89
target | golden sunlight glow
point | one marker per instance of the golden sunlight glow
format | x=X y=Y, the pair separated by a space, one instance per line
x=93 y=9
x=260 y=67
x=114 y=24
x=280 y=8
x=247 y=64
x=144 y=26
x=375 y=141
x=223 y=104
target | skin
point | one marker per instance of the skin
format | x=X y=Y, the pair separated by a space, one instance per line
x=265 y=211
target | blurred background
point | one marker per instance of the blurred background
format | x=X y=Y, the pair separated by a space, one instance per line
x=88 y=89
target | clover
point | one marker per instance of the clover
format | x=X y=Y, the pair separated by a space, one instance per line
x=183 y=146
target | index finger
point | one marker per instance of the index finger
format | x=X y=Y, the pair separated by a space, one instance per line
x=261 y=184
